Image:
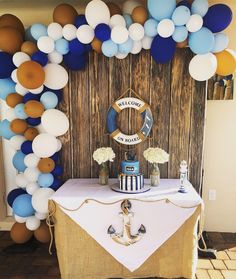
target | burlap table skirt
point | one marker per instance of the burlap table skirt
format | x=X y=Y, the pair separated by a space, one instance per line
x=81 y=257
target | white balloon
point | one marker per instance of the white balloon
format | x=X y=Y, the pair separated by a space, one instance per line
x=32 y=187
x=117 y=20
x=21 y=89
x=55 y=57
x=203 y=67
x=10 y=114
x=31 y=160
x=59 y=146
x=41 y=216
x=44 y=145
x=137 y=47
x=37 y=90
x=56 y=77
x=147 y=42
x=119 y=34
x=32 y=174
x=69 y=32
x=14 y=76
x=85 y=34
x=20 y=219
x=97 y=12
x=166 y=28
x=32 y=223
x=129 y=6
x=40 y=199
x=195 y=23
x=40 y=129
x=46 y=44
x=19 y=58
x=55 y=31
x=16 y=142
x=121 y=55
x=136 y=31
x=55 y=122
x=21 y=180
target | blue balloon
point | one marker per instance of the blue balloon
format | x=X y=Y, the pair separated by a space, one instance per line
x=55 y=157
x=6 y=65
x=181 y=15
x=59 y=95
x=5 y=130
x=126 y=47
x=200 y=7
x=180 y=34
x=75 y=62
x=49 y=100
x=202 y=41
x=184 y=3
x=22 y=206
x=7 y=86
x=40 y=58
x=20 y=111
x=150 y=27
x=33 y=121
x=218 y=18
x=29 y=96
x=18 y=161
x=163 y=49
x=62 y=46
x=45 y=180
x=161 y=9
x=109 y=48
x=221 y=42
x=58 y=170
x=75 y=46
x=14 y=194
x=38 y=30
x=88 y=48
x=56 y=184
x=28 y=36
x=103 y=32
x=128 y=20
x=80 y=20
x=26 y=147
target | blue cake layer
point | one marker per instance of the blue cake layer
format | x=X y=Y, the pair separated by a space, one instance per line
x=130 y=167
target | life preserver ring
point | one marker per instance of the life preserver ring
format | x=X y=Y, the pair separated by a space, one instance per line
x=142 y=107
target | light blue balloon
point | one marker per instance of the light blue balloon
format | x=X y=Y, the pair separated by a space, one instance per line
x=150 y=27
x=62 y=46
x=202 y=41
x=126 y=47
x=45 y=180
x=49 y=100
x=22 y=206
x=180 y=34
x=181 y=15
x=38 y=30
x=128 y=20
x=161 y=9
x=5 y=130
x=221 y=42
x=20 y=111
x=109 y=48
x=200 y=7
x=7 y=86
x=18 y=161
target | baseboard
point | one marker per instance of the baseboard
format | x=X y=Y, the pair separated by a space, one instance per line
x=6 y=224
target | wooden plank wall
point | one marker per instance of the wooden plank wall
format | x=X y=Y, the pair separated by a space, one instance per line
x=177 y=103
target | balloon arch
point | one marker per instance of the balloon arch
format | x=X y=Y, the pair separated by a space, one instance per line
x=32 y=79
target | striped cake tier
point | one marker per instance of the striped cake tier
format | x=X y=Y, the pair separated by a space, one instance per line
x=131 y=183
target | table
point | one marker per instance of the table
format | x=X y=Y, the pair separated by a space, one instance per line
x=172 y=255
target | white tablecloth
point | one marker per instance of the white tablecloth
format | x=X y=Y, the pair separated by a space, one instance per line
x=101 y=209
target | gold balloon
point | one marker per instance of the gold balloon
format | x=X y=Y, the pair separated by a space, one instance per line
x=18 y=126
x=30 y=74
x=46 y=165
x=34 y=109
x=20 y=234
x=97 y=45
x=29 y=48
x=10 y=39
x=114 y=9
x=64 y=14
x=31 y=133
x=140 y=14
x=226 y=62
x=14 y=99
x=8 y=20
x=42 y=234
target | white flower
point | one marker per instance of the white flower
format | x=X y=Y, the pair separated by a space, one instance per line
x=103 y=154
x=156 y=155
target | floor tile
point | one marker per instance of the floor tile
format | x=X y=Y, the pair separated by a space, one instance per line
x=231 y=264
x=232 y=255
x=229 y=274
x=204 y=264
x=215 y=274
x=222 y=255
x=218 y=264
x=202 y=274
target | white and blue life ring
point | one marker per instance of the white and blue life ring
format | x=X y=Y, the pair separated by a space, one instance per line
x=145 y=111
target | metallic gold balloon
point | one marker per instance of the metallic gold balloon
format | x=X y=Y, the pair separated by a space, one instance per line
x=14 y=99
x=11 y=39
x=31 y=133
x=20 y=234
x=46 y=165
x=97 y=45
x=18 y=126
x=34 y=109
x=140 y=14
x=42 y=234
x=114 y=9
x=29 y=48
x=9 y=20
x=64 y=14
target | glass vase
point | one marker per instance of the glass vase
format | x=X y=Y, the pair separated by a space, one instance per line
x=103 y=174
x=155 y=175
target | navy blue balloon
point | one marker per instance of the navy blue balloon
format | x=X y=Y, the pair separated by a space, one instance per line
x=6 y=65
x=75 y=62
x=55 y=157
x=40 y=58
x=80 y=20
x=58 y=170
x=75 y=46
x=59 y=95
x=103 y=32
x=88 y=48
x=14 y=194
x=218 y=18
x=184 y=3
x=56 y=184
x=163 y=49
x=29 y=96
x=33 y=121
x=26 y=147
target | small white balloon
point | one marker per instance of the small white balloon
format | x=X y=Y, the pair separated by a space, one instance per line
x=136 y=31
x=55 y=57
x=85 y=34
x=31 y=160
x=46 y=44
x=195 y=23
x=121 y=55
x=69 y=32
x=40 y=199
x=166 y=28
x=44 y=145
x=21 y=89
x=16 y=142
x=40 y=216
x=19 y=58
x=59 y=145
x=147 y=42
x=32 y=223
x=20 y=219
x=40 y=129
x=137 y=47
x=117 y=20
x=56 y=77
x=10 y=114
x=55 y=31
x=119 y=34
x=32 y=174
x=37 y=90
x=21 y=180
x=129 y=6
x=14 y=76
x=32 y=187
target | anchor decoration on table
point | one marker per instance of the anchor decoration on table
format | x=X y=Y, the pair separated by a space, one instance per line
x=125 y=237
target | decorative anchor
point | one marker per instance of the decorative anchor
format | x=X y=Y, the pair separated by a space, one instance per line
x=126 y=238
